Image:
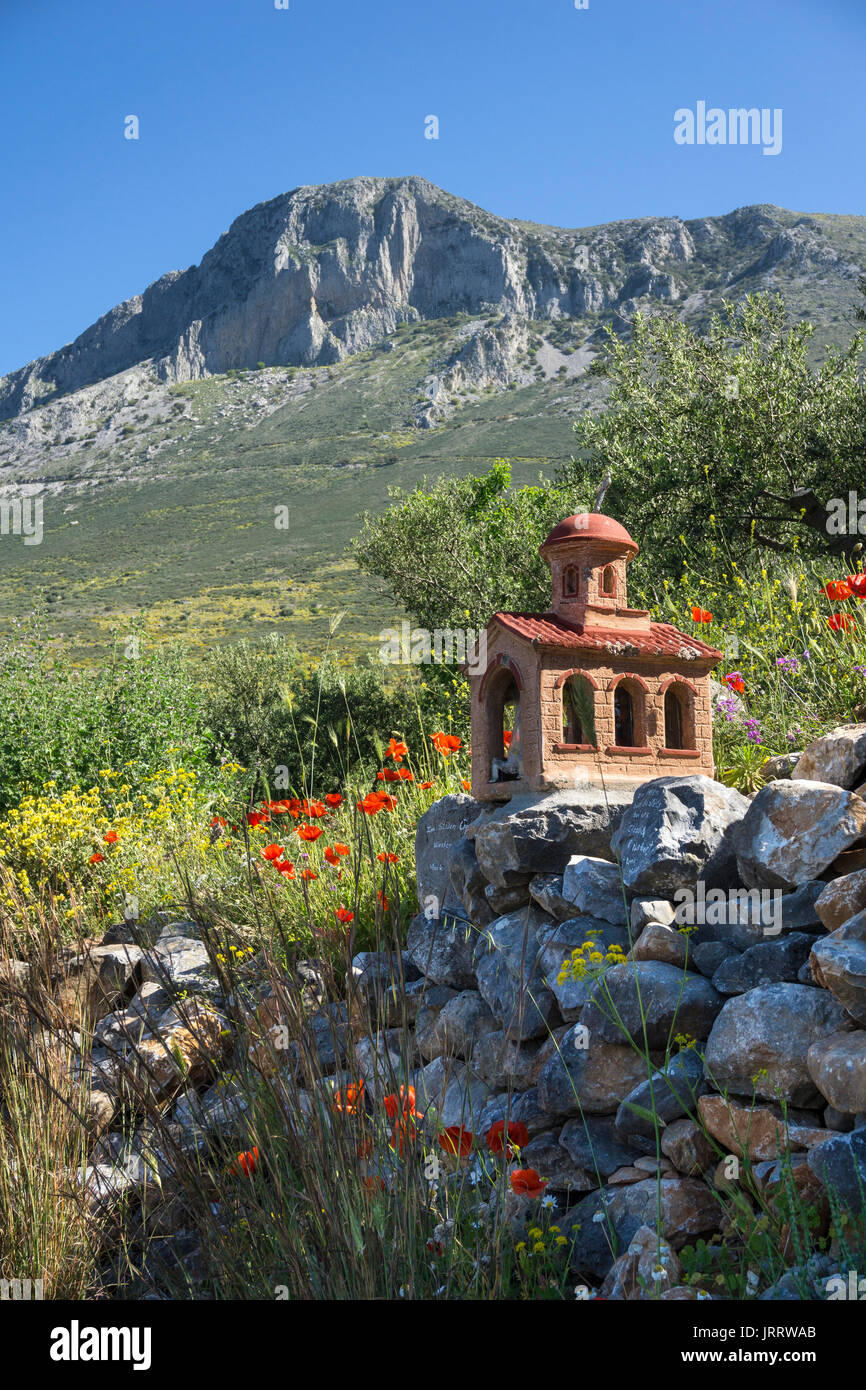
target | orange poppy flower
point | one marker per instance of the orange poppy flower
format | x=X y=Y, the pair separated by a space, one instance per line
x=403 y=1134
x=396 y=750
x=342 y=849
x=388 y=774
x=526 y=1183
x=456 y=1140
x=385 y=857
x=219 y=820
x=425 y=786
x=286 y=868
x=273 y=852
x=246 y=1162
x=343 y=914
x=316 y=809
x=96 y=858
x=518 y=1135
x=841 y=622
x=446 y=744
x=857 y=585
x=308 y=874
x=333 y=799
x=349 y=1102
x=467 y=786
x=404 y=1098
x=332 y=856
x=700 y=615
x=309 y=832
x=406 y=775
x=382 y=900
x=838 y=590
x=110 y=837
x=371 y=805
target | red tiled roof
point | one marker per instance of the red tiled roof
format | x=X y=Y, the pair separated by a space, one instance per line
x=661 y=640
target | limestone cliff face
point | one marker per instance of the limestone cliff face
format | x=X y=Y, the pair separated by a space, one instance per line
x=323 y=272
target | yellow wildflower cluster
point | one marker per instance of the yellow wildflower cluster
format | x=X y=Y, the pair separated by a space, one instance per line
x=588 y=960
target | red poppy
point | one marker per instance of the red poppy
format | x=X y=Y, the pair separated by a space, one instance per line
x=404 y=1133
x=218 y=820
x=405 y=775
x=110 y=837
x=385 y=857
x=386 y=802
x=246 y=1162
x=333 y=798
x=446 y=744
x=526 y=1183
x=309 y=832
x=382 y=900
x=838 y=590
x=857 y=583
x=348 y=1102
x=734 y=681
x=841 y=622
x=97 y=858
x=517 y=1137
x=388 y=774
x=371 y=805
x=343 y=914
x=507 y=737
x=404 y=1098
x=467 y=786
x=396 y=750
x=255 y=818
x=285 y=867
x=700 y=615
x=456 y=1140
x=308 y=874
x=332 y=856
x=316 y=809
x=425 y=786
x=273 y=852
x=342 y=849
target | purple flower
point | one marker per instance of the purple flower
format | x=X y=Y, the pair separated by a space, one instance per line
x=787 y=663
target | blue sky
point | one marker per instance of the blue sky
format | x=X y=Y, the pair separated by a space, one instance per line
x=546 y=112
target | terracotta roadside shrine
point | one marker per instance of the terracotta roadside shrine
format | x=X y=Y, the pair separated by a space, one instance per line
x=591 y=662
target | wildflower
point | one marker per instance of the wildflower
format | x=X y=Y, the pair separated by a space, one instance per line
x=841 y=622
x=466 y=785
x=272 y=852
x=286 y=868
x=371 y=805
x=425 y=786
x=525 y=1182
x=382 y=900
x=343 y=914
x=332 y=856
x=385 y=857
x=405 y=775
x=734 y=681
x=110 y=837
x=549 y=1203
x=700 y=615
x=404 y=1098
x=456 y=1140
x=787 y=663
x=517 y=1137
x=333 y=799
x=341 y=849
x=857 y=585
x=308 y=874
x=838 y=590
x=350 y=1102
x=96 y=858
x=388 y=774
x=309 y=832
x=247 y=1162
x=404 y=1133
x=396 y=750
x=446 y=744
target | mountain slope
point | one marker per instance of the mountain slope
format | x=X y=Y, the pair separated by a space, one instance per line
x=333 y=341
